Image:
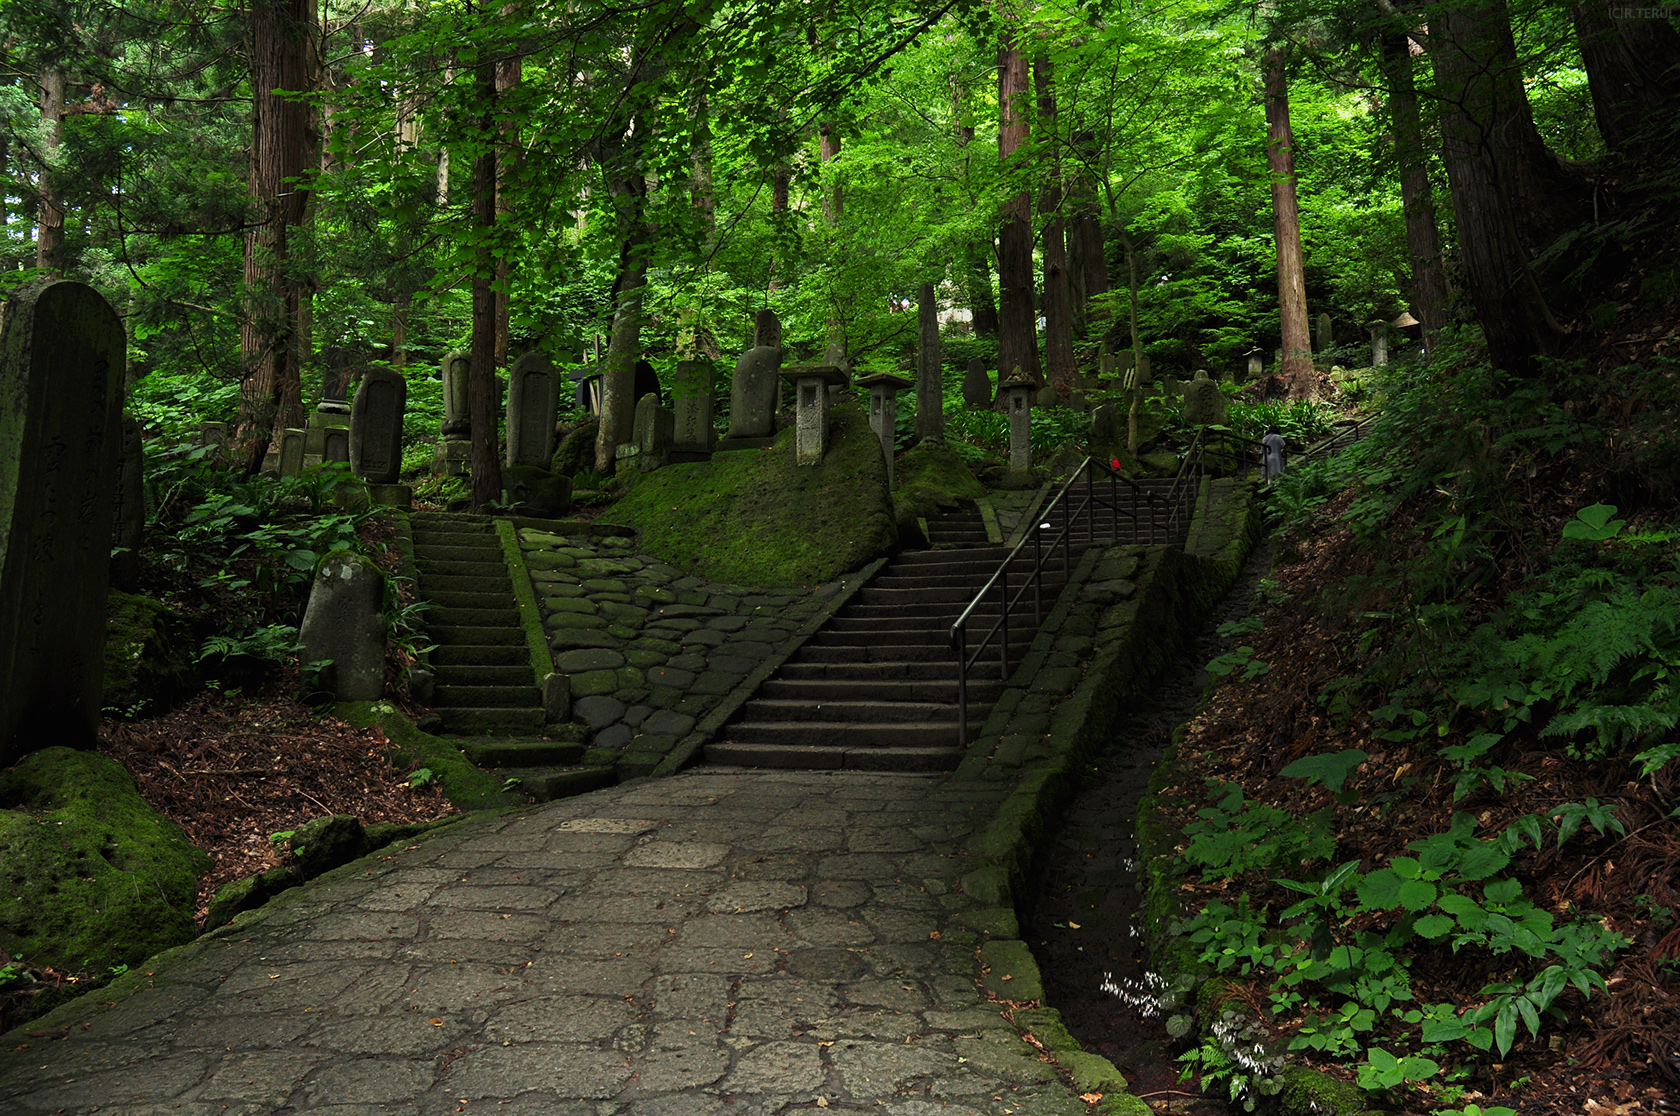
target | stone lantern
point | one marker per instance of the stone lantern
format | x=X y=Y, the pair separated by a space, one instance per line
x=1018 y=392
x=810 y=386
x=883 y=412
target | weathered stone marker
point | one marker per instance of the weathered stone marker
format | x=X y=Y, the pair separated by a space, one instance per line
x=1256 y=366
x=291 y=451
x=653 y=431
x=62 y=358
x=1047 y=397
x=343 y=622
x=977 y=386
x=1204 y=403
x=883 y=412
x=376 y=425
x=1326 y=336
x=1018 y=391
x=335 y=445
x=756 y=389
x=128 y=526
x=533 y=403
x=214 y=435
x=1105 y=425
x=810 y=385
x=453 y=455
x=1379 y=345
x=695 y=383
x=930 y=368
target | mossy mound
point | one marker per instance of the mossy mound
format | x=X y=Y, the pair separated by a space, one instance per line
x=931 y=477
x=149 y=662
x=90 y=876
x=753 y=517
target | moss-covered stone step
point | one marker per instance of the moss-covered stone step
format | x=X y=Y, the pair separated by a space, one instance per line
x=466 y=721
x=459 y=567
x=884 y=710
x=884 y=734
x=478 y=634
x=482 y=696
x=513 y=673
x=522 y=753
x=454 y=552
x=823 y=691
x=833 y=757
x=476 y=597
x=808 y=669
x=481 y=655
x=447 y=617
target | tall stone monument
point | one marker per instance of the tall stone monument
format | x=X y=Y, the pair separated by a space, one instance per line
x=62 y=358
x=693 y=434
x=757 y=388
x=128 y=526
x=930 y=366
x=376 y=426
x=977 y=386
x=1326 y=336
x=1204 y=403
x=453 y=456
x=533 y=405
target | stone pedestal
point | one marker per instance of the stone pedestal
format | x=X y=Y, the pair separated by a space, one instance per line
x=883 y=413
x=452 y=457
x=653 y=432
x=810 y=385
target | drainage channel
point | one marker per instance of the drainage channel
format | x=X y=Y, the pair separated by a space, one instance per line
x=1083 y=927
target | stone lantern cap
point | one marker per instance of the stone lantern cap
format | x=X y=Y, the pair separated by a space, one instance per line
x=885 y=380
x=1018 y=379
x=827 y=373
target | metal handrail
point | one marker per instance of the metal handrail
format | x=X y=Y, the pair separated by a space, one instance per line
x=1034 y=581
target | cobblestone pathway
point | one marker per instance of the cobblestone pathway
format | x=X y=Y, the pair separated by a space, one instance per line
x=721 y=942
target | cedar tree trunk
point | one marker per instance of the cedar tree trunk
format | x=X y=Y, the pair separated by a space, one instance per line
x=1297 y=371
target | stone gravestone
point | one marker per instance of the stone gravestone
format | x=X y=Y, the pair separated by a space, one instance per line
x=930 y=368
x=654 y=430
x=343 y=622
x=128 y=527
x=1256 y=366
x=533 y=405
x=291 y=451
x=757 y=386
x=335 y=445
x=62 y=358
x=1379 y=345
x=332 y=410
x=453 y=456
x=376 y=426
x=1204 y=403
x=1326 y=338
x=1105 y=425
x=692 y=431
x=214 y=435
x=977 y=386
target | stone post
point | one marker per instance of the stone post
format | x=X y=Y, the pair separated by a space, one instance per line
x=1256 y=366
x=335 y=445
x=810 y=384
x=883 y=413
x=1379 y=345
x=1326 y=337
x=930 y=362
x=693 y=391
x=653 y=431
x=63 y=354
x=376 y=427
x=453 y=455
x=1018 y=391
x=533 y=403
x=977 y=386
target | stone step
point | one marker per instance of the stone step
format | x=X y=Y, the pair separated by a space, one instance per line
x=455 y=567
x=442 y=599
x=890 y=734
x=877 y=653
x=908 y=637
x=458 y=655
x=463 y=721
x=477 y=696
x=478 y=634
x=954 y=596
x=522 y=753
x=844 y=713
x=435 y=583
x=490 y=551
x=504 y=616
x=920 y=625
x=515 y=673
x=815 y=691
x=425 y=535
x=834 y=758
x=914 y=559
x=546 y=784
x=868 y=672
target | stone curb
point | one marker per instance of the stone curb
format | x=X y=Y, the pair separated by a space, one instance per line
x=689 y=746
x=530 y=616
x=1181 y=585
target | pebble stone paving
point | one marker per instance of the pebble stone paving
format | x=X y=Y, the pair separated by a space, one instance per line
x=721 y=942
x=649 y=649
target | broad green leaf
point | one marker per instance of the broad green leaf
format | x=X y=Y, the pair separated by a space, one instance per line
x=1433 y=926
x=1416 y=895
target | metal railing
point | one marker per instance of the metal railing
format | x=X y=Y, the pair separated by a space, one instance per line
x=1072 y=516
x=1352 y=432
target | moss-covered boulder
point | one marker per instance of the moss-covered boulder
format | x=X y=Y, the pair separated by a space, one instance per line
x=149 y=661
x=931 y=477
x=576 y=450
x=755 y=518
x=90 y=876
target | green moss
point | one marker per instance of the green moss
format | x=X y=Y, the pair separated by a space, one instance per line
x=1308 y=1092
x=931 y=477
x=148 y=656
x=753 y=517
x=90 y=876
x=465 y=785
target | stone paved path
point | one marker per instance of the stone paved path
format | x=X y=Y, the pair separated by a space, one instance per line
x=721 y=942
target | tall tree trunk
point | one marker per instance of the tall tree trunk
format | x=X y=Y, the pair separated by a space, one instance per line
x=1297 y=371
x=1512 y=197
x=442 y=194
x=1134 y=378
x=481 y=377
x=700 y=160
x=1060 y=367
x=1087 y=256
x=1633 y=73
x=508 y=72
x=1017 y=339
x=1429 y=276
x=281 y=45
x=618 y=367
x=49 y=222
x=828 y=147
x=977 y=281
x=930 y=368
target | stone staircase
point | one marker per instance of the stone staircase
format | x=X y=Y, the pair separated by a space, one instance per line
x=876 y=688
x=484 y=677
x=1100 y=525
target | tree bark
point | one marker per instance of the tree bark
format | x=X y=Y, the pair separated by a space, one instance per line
x=700 y=160
x=977 y=280
x=1512 y=197
x=1017 y=338
x=481 y=376
x=281 y=45
x=930 y=368
x=828 y=146
x=508 y=72
x=1060 y=366
x=618 y=366
x=1297 y=371
x=1632 y=74
x=1087 y=255
x=1429 y=276
x=49 y=221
